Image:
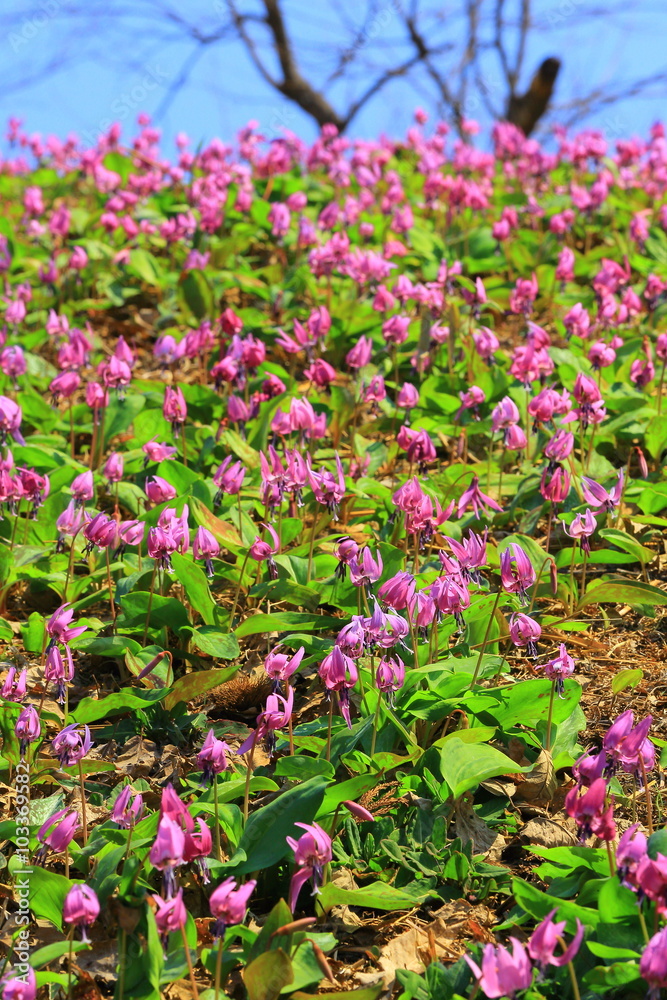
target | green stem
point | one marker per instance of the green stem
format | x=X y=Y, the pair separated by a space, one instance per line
x=188 y=959
x=218 y=970
x=310 y=549
x=486 y=638
x=550 y=714
x=216 y=808
x=248 y=775
x=84 y=815
x=330 y=723
x=238 y=589
x=376 y=719
x=150 y=602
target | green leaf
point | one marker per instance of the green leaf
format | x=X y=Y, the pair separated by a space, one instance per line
x=145 y=266
x=263 y=839
x=215 y=642
x=267 y=975
x=538 y=904
x=302 y=768
x=631 y=592
x=628 y=678
x=464 y=765
x=608 y=976
x=165 y=612
x=628 y=544
x=286 y=621
x=46 y=893
x=91 y=709
x=601 y=950
x=195 y=293
x=196 y=684
x=195 y=584
x=51 y=952
x=376 y=896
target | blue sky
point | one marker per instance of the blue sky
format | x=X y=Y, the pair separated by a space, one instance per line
x=75 y=67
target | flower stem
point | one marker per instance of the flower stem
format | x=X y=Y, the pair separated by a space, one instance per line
x=150 y=603
x=218 y=970
x=331 y=707
x=70 y=963
x=376 y=719
x=310 y=549
x=550 y=714
x=238 y=589
x=216 y=808
x=649 y=805
x=248 y=775
x=188 y=959
x=573 y=979
x=486 y=638
x=84 y=815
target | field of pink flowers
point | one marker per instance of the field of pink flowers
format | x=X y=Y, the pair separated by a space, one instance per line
x=331 y=562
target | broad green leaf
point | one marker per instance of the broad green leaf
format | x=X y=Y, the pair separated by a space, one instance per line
x=631 y=592
x=196 y=684
x=128 y=700
x=375 y=896
x=285 y=621
x=267 y=975
x=464 y=765
x=195 y=584
x=263 y=839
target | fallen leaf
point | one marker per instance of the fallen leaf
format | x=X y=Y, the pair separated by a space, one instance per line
x=470 y=826
x=540 y=783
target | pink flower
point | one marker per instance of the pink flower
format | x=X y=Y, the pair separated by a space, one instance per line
x=502 y=974
x=598 y=496
x=546 y=938
x=559 y=667
x=158 y=490
x=653 y=963
x=276 y=715
x=174 y=408
x=170 y=914
x=128 y=808
x=70 y=745
x=474 y=497
x=339 y=673
x=27 y=728
x=262 y=551
x=57 y=832
x=229 y=903
x=23 y=987
x=281 y=666
x=525 y=631
x=516 y=570
x=81 y=908
x=312 y=851
x=206 y=547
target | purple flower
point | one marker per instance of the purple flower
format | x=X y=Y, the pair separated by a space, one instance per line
x=502 y=974
x=81 y=908
x=229 y=903
x=70 y=745
x=312 y=851
x=545 y=939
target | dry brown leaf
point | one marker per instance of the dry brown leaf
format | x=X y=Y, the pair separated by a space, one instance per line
x=540 y=783
x=137 y=759
x=549 y=832
x=470 y=826
x=441 y=939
